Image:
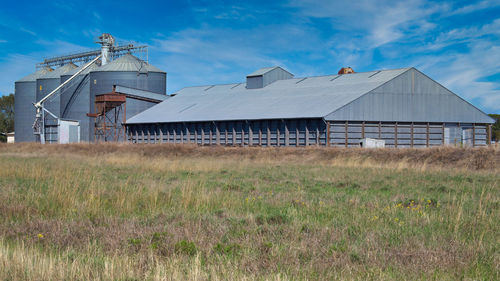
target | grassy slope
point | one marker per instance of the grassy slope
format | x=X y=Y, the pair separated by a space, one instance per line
x=173 y=213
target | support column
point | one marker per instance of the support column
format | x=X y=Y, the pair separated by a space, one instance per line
x=234 y=134
x=327 y=133
x=307 y=132
x=217 y=133
x=202 y=134
x=225 y=133
x=363 y=130
x=287 y=135
x=411 y=135
x=428 y=134
x=346 y=133
x=268 y=134
x=211 y=136
x=442 y=135
x=297 y=132
x=396 y=134
x=278 y=134
x=260 y=133
x=488 y=141
x=250 y=134
x=318 y=123
x=473 y=134
x=196 y=133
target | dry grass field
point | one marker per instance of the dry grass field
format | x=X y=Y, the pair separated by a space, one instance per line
x=167 y=212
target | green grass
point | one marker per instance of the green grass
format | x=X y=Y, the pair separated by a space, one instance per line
x=131 y=217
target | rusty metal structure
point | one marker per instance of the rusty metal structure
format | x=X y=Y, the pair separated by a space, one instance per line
x=346 y=70
x=110 y=116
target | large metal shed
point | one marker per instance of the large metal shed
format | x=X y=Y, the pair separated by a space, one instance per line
x=403 y=107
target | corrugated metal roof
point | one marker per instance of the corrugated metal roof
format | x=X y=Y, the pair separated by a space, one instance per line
x=59 y=71
x=314 y=97
x=35 y=75
x=140 y=93
x=128 y=62
x=86 y=71
x=264 y=70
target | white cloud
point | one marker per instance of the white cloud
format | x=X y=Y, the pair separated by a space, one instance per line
x=379 y=22
x=485 y=4
x=223 y=55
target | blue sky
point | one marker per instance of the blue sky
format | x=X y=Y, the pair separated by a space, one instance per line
x=456 y=43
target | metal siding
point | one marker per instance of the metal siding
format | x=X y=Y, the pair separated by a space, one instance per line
x=154 y=82
x=396 y=101
x=25 y=96
x=47 y=86
x=394 y=134
x=75 y=104
x=275 y=75
x=255 y=82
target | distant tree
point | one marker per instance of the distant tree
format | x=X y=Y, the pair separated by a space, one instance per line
x=6 y=116
x=495 y=129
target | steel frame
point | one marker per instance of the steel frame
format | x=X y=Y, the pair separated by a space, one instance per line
x=107 y=125
x=115 y=52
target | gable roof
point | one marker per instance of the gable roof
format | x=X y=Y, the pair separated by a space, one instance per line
x=310 y=97
x=264 y=70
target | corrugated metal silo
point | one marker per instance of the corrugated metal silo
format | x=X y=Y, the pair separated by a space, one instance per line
x=25 y=96
x=75 y=99
x=48 y=82
x=128 y=71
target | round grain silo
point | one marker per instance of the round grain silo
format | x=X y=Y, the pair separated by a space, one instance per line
x=47 y=83
x=25 y=96
x=128 y=71
x=75 y=99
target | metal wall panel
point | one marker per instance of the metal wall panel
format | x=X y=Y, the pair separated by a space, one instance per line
x=25 y=96
x=43 y=88
x=410 y=97
x=398 y=134
x=233 y=133
x=75 y=104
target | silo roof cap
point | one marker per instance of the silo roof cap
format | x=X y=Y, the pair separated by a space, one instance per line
x=86 y=71
x=35 y=75
x=59 y=71
x=129 y=62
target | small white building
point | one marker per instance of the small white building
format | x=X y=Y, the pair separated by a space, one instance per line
x=10 y=137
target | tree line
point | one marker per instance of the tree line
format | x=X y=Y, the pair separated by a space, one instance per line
x=6 y=116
